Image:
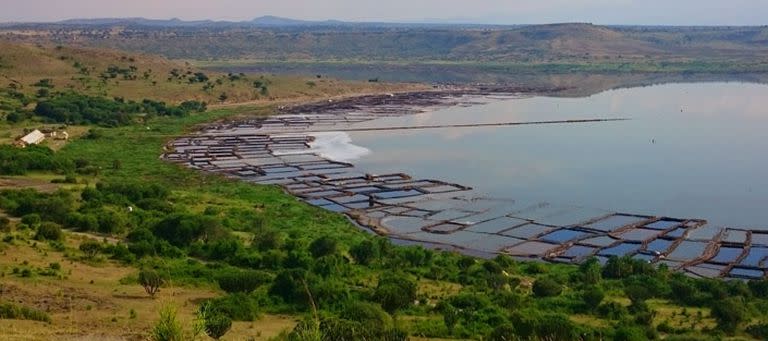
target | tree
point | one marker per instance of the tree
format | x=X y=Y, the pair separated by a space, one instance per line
x=90 y=248
x=323 y=246
x=216 y=325
x=395 y=291
x=546 y=287
x=729 y=313
x=151 y=281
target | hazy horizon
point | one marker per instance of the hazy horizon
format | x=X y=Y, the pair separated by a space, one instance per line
x=606 y=12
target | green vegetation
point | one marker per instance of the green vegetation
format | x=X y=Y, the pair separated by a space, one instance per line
x=151 y=281
x=72 y=108
x=168 y=327
x=20 y=161
x=16 y=312
x=272 y=254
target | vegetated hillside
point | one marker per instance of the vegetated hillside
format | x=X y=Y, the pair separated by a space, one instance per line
x=534 y=43
x=41 y=70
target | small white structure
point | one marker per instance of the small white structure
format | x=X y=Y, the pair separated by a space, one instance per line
x=35 y=137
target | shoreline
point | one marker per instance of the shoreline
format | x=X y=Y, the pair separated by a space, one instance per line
x=439 y=214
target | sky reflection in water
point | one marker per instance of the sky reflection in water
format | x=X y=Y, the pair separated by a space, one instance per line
x=690 y=150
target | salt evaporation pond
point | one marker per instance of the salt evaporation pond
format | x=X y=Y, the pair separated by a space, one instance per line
x=560 y=192
x=690 y=150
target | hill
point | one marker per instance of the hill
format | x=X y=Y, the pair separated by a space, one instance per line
x=29 y=68
x=272 y=38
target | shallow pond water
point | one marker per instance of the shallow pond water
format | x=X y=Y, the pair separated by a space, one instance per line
x=690 y=150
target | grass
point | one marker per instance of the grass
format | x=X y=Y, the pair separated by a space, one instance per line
x=92 y=301
x=80 y=69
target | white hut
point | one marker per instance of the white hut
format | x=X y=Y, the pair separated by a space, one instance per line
x=35 y=137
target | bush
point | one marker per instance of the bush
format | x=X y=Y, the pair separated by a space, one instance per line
x=242 y=281
x=90 y=248
x=151 y=281
x=367 y=313
x=612 y=310
x=15 y=312
x=395 y=291
x=238 y=307
x=168 y=328
x=729 y=313
x=5 y=224
x=48 y=231
x=758 y=331
x=216 y=325
x=32 y=219
x=323 y=246
x=546 y=287
x=364 y=252
x=592 y=297
x=627 y=333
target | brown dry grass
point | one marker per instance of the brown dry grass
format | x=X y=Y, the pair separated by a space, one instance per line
x=26 y=64
x=88 y=302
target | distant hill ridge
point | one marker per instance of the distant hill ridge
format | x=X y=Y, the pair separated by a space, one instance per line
x=276 y=38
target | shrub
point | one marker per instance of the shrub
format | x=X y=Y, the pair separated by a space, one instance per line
x=238 y=307
x=729 y=313
x=151 y=281
x=758 y=331
x=48 y=231
x=5 y=224
x=546 y=287
x=16 y=312
x=216 y=325
x=243 y=281
x=323 y=246
x=168 y=328
x=90 y=248
x=629 y=333
x=592 y=297
x=395 y=291
x=366 y=313
x=289 y=286
x=32 y=219
x=364 y=252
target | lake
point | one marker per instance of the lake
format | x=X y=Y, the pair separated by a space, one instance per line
x=690 y=150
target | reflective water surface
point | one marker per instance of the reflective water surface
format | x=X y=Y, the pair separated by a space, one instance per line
x=690 y=150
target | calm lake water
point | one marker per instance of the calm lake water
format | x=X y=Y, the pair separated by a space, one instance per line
x=690 y=150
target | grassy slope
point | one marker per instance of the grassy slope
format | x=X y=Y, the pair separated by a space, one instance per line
x=90 y=299
x=27 y=64
x=138 y=149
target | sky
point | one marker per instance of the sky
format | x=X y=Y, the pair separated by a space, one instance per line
x=640 y=12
